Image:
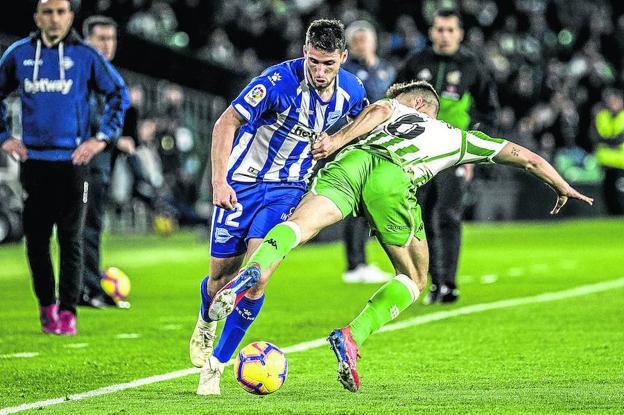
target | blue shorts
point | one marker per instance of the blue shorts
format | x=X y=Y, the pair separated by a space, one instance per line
x=260 y=207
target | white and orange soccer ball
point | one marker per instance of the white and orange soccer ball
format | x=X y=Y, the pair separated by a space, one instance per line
x=260 y=368
x=115 y=284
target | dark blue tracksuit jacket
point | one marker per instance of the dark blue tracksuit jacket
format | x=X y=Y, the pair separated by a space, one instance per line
x=55 y=97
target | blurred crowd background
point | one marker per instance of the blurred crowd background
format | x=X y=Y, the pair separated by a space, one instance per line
x=556 y=63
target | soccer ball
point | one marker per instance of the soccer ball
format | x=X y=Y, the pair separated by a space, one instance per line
x=115 y=284
x=260 y=368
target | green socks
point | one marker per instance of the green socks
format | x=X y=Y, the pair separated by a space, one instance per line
x=276 y=244
x=385 y=305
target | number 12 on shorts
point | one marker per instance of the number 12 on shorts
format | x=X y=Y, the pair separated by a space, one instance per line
x=231 y=215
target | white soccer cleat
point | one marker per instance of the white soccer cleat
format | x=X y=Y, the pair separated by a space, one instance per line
x=225 y=300
x=210 y=377
x=200 y=346
x=364 y=273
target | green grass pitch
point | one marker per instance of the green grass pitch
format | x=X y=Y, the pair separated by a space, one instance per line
x=560 y=356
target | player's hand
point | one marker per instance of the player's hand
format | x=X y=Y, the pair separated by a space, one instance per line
x=126 y=145
x=87 y=150
x=223 y=196
x=570 y=193
x=15 y=148
x=324 y=146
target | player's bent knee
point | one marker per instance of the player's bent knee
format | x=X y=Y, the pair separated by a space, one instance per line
x=420 y=279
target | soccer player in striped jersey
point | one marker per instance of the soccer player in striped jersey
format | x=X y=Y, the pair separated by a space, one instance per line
x=260 y=174
x=405 y=146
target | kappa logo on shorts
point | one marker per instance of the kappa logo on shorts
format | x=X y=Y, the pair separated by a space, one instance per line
x=255 y=95
x=222 y=235
x=397 y=228
x=271 y=242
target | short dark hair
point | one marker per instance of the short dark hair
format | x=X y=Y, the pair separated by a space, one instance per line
x=72 y=5
x=446 y=13
x=326 y=35
x=96 y=20
x=421 y=88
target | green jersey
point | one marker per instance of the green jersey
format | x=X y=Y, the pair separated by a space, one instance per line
x=423 y=146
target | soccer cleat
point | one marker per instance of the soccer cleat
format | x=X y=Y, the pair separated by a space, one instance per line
x=346 y=351
x=433 y=296
x=48 y=316
x=448 y=295
x=67 y=323
x=201 y=344
x=210 y=377
x=227 y=297
x=365 y=274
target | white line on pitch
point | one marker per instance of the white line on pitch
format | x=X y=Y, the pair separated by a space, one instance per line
x=416 y=321
x=13 y=355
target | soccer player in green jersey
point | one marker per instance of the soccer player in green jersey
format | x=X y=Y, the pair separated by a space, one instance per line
x=404 y=147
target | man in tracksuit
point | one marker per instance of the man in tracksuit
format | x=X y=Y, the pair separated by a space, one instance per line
x=468 y=100
x=54 y=72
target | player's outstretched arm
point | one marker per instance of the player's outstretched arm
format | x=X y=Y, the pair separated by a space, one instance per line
x=364 y=123
x=516 y=155
x=222 y=138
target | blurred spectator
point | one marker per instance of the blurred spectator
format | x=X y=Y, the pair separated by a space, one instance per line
x=609 y=130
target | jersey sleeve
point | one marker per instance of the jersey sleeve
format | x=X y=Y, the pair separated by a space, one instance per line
x=359 y=100
x=259 y=96
x=480 y=147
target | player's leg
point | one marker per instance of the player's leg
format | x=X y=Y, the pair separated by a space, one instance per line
x=450 y=211
x=70 y=234
x=396 y=220
x=334 y=194
x=428 y=198
x=227 y=251
x=38 y=223
x=313 y=214
x=91 y=293
x=410 y=264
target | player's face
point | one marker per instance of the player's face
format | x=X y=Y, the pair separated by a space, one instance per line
x=323 y=66
x=104 y=39
x=446 y=35
x=54 y=18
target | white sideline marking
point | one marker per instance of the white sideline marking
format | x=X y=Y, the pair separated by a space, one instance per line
x=416 y=321
x=128 y=336
x=12 y=355
x=489 y=279
x=172 y=327
x=76 y=345
x=515 y=272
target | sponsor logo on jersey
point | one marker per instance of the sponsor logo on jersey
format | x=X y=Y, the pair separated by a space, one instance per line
x=48 y=85
x=425 y=74
x=332 y=117
x=31 y=62
x=67 y=62
x=222 y=235
x=255 y=95
x=397 y=228
x=304 y=132
x=275 y=78
x=453 y=77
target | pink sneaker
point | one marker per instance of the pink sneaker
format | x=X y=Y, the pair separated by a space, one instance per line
x=49 y=318
x=67 y=323
x=346 y=351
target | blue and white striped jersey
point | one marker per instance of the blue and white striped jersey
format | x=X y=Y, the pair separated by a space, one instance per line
x=284 y=114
